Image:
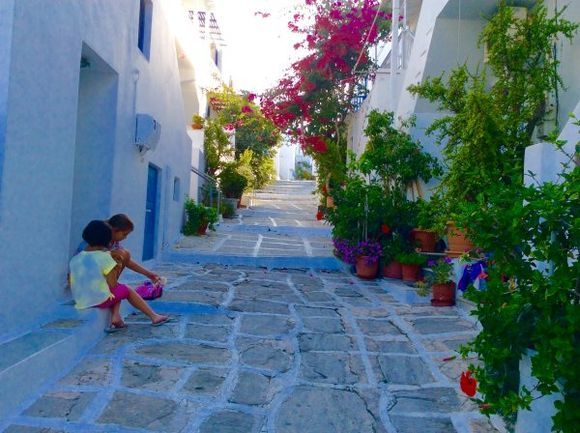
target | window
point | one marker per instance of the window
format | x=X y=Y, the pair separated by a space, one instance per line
x=176 y=189
x=145 y=18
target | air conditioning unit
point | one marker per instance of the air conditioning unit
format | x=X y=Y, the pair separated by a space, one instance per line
x=520 y=14
x=147 y=132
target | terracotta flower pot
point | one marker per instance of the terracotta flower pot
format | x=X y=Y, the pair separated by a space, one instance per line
x=426 y=239
x=202 y=229
x=457 y=241
x=392 y=270
x=410 y=272
x=443 y=294
x=366 y=270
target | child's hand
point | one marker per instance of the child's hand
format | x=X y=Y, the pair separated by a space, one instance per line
x=155 y=279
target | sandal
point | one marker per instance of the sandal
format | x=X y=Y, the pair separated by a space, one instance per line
x=168 y=319
x=115 y=328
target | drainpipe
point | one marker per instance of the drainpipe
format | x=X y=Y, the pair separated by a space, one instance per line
x=394 y=51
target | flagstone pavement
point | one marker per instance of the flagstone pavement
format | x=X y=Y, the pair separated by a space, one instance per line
x=270 y=350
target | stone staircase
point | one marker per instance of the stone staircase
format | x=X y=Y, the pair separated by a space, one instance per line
x=45 y=351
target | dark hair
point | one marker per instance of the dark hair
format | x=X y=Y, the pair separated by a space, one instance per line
x=120 y=221
x=97 y=233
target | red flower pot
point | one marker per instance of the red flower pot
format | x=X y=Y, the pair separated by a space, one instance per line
x=426 y=239
x=202 y=229
x=365 y=269
x=392 y=270
x=410 y=272
x=443 y=294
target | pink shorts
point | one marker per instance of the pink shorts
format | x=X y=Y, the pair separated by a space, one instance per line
x=121 y=291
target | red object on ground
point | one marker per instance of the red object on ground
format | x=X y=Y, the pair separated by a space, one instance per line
x=468 y=384
x=392 y=270
x=319 y=215
x=365 y=269
x=443 y=294
x=425 y=238
x=385 y=229
x=410 y=272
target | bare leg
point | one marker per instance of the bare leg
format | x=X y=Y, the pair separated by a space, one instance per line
x=137 y=301
x=116 y=319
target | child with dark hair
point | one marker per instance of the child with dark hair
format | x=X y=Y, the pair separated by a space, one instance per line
x=121 y=227
x=94 y=274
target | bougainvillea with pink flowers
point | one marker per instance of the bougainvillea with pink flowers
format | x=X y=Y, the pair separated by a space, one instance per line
x=311 y=103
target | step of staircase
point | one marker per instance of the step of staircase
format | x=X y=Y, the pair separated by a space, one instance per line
x=44 y=352
x=270 y=262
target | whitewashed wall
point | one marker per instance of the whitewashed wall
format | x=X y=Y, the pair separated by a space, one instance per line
x=286 y=161
x=41 y=201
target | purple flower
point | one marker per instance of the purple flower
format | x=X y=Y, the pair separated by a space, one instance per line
x=431 y=263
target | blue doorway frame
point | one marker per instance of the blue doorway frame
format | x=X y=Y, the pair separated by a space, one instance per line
x=151 y=208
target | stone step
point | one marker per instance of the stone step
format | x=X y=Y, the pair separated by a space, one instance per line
x=278 y=230
x=44 y=352
x=270 y=262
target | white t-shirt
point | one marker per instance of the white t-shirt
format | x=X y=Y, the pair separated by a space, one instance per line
x=87 y=277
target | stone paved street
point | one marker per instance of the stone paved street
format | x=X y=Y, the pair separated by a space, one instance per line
x=270 y=350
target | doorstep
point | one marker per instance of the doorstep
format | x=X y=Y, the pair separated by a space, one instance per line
x=44 y=352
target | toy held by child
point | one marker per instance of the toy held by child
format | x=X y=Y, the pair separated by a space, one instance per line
x=94 y=274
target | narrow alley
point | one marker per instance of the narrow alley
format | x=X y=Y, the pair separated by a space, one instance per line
x=271 y=335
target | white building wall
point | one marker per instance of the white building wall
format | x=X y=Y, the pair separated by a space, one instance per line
x=286 y=161
x=569 y=55
x=444 y=39
x=49 y=120
x=197 y=160
x=416 y=64
x=6 y=19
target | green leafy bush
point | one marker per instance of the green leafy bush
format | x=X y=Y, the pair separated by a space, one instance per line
x=227 y=210
x=232 y=183
x=198 y=215
x=303 y=171
x=411 y=258
x=532 y=232
x=440 y=271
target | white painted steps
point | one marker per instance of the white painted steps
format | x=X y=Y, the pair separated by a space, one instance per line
x=43 y=353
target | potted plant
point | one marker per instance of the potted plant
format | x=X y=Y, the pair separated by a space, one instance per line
x=228 y=209
x=367 y=254
x=411 y=263
x=199 y=218
x=441 y=280
x=232 y=184
x=197 y=121
x=424 y=235
x=529 y=229
x=391 y=266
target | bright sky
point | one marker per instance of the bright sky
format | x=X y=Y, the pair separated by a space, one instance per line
x=258 y=49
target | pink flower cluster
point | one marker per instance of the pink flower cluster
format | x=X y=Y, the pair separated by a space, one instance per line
x=335 y=40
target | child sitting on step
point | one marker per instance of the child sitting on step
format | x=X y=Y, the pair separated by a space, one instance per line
x=121 y=226
x=94 y=274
